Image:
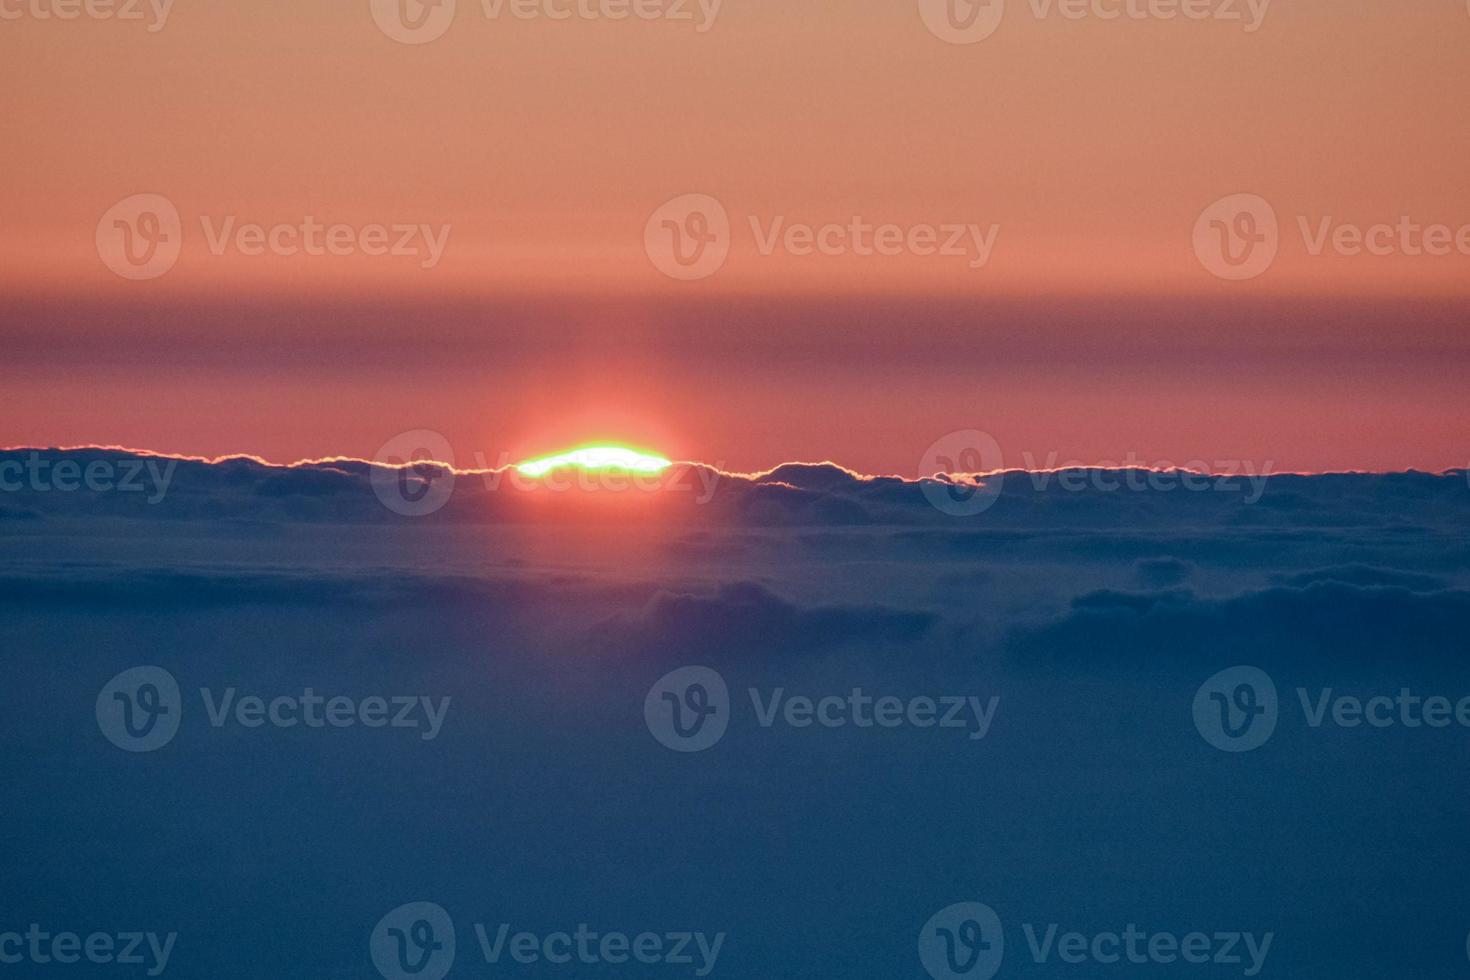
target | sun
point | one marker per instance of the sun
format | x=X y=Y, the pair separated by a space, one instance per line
x=602 y=457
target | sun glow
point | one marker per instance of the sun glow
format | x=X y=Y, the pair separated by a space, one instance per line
x=596 y=458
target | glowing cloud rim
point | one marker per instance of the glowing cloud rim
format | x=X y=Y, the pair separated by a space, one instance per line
x=599 y=457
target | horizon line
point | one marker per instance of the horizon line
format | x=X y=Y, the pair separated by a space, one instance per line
x=753 y=475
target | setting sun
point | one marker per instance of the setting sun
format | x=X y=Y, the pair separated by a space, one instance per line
x=596 y=458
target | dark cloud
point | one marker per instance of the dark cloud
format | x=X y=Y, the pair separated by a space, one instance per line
x=748 y=615
x=1116 y=519
x=135 y=587
x=1366 y=575
x=1157 y=572
x=1092 y=615
x=1325 y=621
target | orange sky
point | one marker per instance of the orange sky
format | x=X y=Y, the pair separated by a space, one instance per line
x=539 y=148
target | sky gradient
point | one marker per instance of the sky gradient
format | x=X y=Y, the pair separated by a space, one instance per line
x=538 y=148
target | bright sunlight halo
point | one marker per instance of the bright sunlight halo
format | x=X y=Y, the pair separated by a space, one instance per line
x=597 y=458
